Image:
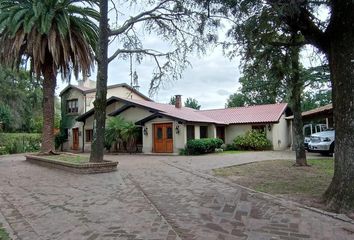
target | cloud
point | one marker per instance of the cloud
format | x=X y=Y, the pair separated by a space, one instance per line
x=223 y=92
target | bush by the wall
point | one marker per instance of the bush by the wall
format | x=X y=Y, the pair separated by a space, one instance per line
x=60 y=138
x=230 y=147
x=253 y=140
x=202 y=146
x=11 y=143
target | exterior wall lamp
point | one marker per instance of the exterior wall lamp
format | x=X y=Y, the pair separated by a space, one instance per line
x=269 y=127
x=145 y=131
x=177 y=129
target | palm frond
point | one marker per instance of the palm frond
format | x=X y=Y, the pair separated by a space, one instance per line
x=58 y=29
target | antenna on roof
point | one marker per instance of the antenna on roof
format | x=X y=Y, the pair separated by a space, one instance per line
x=136 y=81
x=131 y=74
x=134 y=78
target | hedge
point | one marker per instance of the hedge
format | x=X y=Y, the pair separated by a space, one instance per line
x=253 y=140
x=11 y=143
x=202 y=146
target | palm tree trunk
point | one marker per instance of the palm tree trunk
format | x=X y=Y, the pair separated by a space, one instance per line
x=49 y=84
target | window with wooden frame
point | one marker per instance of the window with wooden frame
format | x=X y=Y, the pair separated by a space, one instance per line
x=203 y=131
x=89 y=135
x=190 y=132
x=72 y=106
x=259 y=128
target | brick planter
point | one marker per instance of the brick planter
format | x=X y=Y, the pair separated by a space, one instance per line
x=84 y=168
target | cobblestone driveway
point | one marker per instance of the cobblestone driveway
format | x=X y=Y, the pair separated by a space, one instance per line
x=149 y=197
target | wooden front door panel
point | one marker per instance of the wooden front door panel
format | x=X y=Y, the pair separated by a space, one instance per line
x=163 y=138
x=75 y=138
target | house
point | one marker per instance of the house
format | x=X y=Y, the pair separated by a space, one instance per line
x=166 y=128
x=78 y=99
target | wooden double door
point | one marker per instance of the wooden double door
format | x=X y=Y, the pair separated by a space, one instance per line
x=75 y=139
x=163 y=138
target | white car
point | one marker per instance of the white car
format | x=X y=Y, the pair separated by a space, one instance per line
x=322 y=142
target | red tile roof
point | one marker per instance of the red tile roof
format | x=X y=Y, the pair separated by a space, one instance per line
x=253 y=114
x=183 y=113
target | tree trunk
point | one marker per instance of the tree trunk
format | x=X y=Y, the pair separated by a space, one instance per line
x=296 y=87
x=340 y=194
x=49 y=84
x=97 y=149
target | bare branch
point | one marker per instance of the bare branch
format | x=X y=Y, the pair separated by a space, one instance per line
x=149 y=52
x=143 y=16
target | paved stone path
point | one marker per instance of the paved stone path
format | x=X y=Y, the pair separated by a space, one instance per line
x=150 y=197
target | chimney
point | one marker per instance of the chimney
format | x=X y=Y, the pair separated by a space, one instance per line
x=178 y=103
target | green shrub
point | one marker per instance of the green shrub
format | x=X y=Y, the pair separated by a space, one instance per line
x=11 y=143
x=253 y=140
x=202 y=146
x=183 y=152
x=60 y=138
x=231 y=147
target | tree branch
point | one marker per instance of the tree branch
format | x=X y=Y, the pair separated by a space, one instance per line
x=149 y=52
x=143 y=16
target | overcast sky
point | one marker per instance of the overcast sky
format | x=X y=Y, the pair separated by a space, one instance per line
x=210 y=79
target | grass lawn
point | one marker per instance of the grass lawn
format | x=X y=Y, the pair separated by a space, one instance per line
x=280 y=177
x=71 y=158
x=3 y=234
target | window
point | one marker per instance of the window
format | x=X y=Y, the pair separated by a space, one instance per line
x=203 y=131
x=169 y=133
x=220 y=133
x=190 y=132
x=259 y=128
x=89 y=135
x=72 y=106
x=159 y=133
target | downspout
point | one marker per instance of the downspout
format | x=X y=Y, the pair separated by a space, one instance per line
x=83 y=127
x=85 y=102
x=83 y=136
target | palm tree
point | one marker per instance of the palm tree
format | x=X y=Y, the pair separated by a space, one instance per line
x=55 y=36
x=113 y=132
x=129 y=134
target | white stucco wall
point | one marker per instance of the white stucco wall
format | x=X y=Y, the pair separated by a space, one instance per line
x=280 y=134
x=75 y=94
x=121 y=92
x=233 y=131
x=211 y=131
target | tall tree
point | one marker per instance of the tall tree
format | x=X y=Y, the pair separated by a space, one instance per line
x=97 y=148
x=22 y=95
x=192 y=103
x=54 y=35
x=237 y=99
x=334 y=37
x=270 y=62
x=177 y=22
x=172 y=100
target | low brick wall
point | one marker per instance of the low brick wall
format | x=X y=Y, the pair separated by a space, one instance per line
x=86 y=168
